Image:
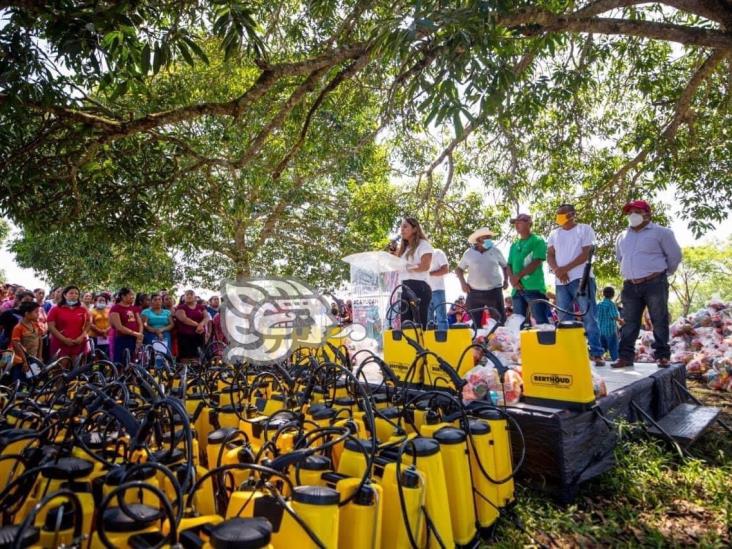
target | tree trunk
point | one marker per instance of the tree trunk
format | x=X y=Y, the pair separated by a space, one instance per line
x=241 y=253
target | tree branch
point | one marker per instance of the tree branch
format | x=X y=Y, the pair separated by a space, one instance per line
x=295 y=99
x=518 y=70
x=345 y=74
x=115 y=129
x=602 y=6
x=681 y=114
x=714 y=10
x=532 y=21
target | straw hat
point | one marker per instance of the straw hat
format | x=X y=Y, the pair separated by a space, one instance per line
x=483 y=231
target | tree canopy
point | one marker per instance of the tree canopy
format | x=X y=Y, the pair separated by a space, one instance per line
x=238 y=137
x=705 y=272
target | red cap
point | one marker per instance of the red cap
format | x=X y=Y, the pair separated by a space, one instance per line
x=640 y=204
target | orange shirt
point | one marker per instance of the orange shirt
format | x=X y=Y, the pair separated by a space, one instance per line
x=100 y=319
x=29 y=338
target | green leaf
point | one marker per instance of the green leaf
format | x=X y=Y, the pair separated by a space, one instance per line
x=145 y=59
x=157 y=58
x=457 y=124
x=185 y=53
x=196 y=49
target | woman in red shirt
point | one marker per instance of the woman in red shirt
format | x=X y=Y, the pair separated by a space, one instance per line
x=191 y=320
x=127 y=325
x=68 y=323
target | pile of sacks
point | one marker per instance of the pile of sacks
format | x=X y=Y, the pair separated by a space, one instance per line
x=703 y=341
x=483 y=379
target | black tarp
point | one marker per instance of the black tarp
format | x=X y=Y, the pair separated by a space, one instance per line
x=565 y=448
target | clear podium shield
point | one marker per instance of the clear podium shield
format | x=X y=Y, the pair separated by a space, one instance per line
x=374 y=276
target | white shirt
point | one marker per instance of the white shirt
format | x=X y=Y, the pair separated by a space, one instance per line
x=484 y=269
x=439 y=259
x=423 y=247
x=568 y=245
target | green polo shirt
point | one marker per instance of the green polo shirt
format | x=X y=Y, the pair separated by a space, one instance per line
x=523 y=252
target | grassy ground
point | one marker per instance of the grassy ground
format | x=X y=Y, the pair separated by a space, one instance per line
x=651 y=498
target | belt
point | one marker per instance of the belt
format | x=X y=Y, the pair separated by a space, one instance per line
x=645 y=278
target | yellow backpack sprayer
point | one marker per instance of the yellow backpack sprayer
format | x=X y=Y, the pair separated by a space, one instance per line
x=306 y=453
x=556 y=363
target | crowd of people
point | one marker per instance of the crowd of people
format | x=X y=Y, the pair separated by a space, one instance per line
x=69 y=323
x=647 y=254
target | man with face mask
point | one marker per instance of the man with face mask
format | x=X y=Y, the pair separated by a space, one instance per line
x=569 y=247
x=487 y=275
x=647 y=254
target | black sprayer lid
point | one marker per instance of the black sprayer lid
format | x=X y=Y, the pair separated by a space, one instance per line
x=478 y=427
x=390 y=413
x=322 y=413
x=30 y=536
x=277 y=423
x=355 y=447
x=220 y=435
x=241 y=533
x=486 y=413
x=68 y=468
x=450 y=435
x=423 y=447
x=316 y=463
x=315 y=495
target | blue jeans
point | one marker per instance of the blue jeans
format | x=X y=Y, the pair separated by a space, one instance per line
x=566 y=300
x=610 y=344
x=438 y=310
x=540 y=311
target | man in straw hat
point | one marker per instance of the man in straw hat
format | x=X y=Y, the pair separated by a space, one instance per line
x=487 y=275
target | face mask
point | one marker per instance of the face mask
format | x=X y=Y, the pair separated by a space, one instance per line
x=635 y=219
x=487 y=244
x=561 y=219
x=101 y=305
x=71 y=303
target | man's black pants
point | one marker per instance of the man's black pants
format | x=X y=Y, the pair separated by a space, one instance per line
x=479 y=299
x=652 y=294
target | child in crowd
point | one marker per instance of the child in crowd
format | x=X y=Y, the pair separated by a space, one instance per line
x=608 y=318
x=26 y=339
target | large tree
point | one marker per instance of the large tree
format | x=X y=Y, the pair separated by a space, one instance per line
x=593 y=100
